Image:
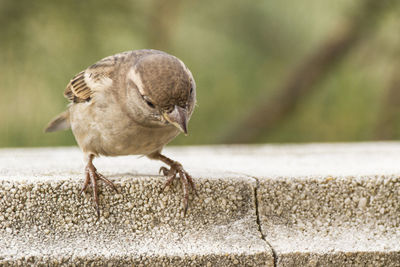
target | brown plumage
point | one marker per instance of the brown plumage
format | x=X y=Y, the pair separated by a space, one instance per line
x=158 y=71
x=128 y=104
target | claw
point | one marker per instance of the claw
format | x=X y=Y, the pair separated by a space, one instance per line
x=92 y=176
x=108 y=182
x=192 y=185
x=185 y=190
x=164 y=170
x=98 y=212
x=170 y=179
x=186 y=208
x=86 y=183
x=186 y=180
x=93 y=180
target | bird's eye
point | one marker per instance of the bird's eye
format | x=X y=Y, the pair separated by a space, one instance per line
x=191 y=90
x=149 y=103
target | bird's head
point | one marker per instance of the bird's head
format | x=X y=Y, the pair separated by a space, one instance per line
x=162 y=91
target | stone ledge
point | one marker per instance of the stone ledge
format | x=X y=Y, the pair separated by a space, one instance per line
x=332 y=217
x=329 y=204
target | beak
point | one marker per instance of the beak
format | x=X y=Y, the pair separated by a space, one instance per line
x=178 y=118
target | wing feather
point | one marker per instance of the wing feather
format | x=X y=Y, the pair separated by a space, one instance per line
x=95 y=78
x=77 y=90
x=100 y=75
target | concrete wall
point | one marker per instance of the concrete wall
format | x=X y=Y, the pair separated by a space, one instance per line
x=286 y=205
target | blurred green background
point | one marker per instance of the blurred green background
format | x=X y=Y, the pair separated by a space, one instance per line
x=266 y=71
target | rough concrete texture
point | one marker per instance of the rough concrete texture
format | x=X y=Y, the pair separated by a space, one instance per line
x=44 y=219
x=332 y=221
x=345 y=211
x=317 y=205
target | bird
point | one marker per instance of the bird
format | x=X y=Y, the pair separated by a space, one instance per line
x=130 y=103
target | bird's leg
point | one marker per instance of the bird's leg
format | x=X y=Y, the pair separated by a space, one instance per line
x=171 y=173
x=91 y=177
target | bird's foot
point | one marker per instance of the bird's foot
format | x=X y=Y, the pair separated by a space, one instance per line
x=186 y=180
x=92 y=176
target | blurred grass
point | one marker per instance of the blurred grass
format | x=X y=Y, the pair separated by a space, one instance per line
x=238 y=51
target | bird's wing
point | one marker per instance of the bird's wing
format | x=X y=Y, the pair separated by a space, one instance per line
x=77 y=89
x=97 y=77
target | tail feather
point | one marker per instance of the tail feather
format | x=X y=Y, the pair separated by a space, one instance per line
x=59 y=123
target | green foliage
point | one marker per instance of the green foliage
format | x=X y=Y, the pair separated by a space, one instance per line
x=239 y=52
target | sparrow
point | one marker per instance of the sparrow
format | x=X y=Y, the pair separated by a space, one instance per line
x=131 y=103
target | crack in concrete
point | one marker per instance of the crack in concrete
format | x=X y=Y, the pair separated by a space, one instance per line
x=258 y=220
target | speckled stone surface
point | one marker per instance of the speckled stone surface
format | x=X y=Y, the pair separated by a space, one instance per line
x=44 y=219
x=332 y=221
x=345 y=211
x=316 y=205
